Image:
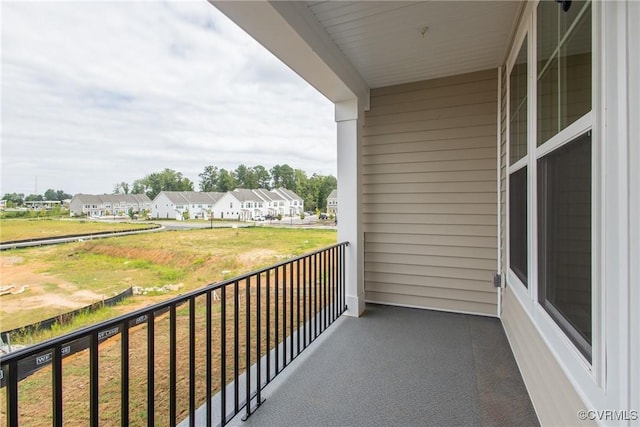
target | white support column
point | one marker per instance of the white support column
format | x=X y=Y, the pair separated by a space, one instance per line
x=349 y=116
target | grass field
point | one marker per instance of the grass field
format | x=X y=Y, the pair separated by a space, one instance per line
x=20 y=229
x=63 y=277
x=192 y=258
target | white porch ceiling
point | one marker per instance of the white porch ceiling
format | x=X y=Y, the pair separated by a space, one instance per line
x=393 y=42
x=345 y=48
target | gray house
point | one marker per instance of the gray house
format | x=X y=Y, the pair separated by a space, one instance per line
x=332 y=202
x=108 y=204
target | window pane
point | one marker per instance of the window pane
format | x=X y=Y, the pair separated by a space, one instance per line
x=564 y=238
x=518 y=106
x=518 y=224
x=564 y=66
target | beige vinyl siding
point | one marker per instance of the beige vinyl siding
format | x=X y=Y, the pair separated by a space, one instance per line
x=554 y=398
x=429 y=194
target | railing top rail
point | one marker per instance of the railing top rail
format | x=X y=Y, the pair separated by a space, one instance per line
x=128 y=317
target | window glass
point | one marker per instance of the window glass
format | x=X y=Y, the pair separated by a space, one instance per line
x=518 y=106
x=564 y=66
x=518 y=242
x=564 y=238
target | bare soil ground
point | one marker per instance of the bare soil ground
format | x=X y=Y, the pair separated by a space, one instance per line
x=43 y=290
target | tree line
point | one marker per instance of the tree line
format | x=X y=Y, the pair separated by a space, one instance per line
x=18 y=199
x=314 y=190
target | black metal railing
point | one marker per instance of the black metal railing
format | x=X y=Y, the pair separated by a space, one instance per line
x=198 y=359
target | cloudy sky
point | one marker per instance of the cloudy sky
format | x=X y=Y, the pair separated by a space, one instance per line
x=96 y=93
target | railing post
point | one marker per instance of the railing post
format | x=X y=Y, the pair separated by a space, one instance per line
x=124 y=372
x=151 y=319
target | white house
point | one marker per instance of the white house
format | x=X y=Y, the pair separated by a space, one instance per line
x=489 y=142
x=108 y=204
x=275 y=203
x=332 y=202
x=293 y=203
x=178 y=204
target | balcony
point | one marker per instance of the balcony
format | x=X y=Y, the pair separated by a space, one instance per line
x=401 y=367
x=164 y=365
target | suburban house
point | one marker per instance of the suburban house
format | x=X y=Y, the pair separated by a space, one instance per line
x=293 y=204
x=275 y=203
x=108 y=204
x=488 y=158
x=332 y=202
x=252 y=204
x=240 y=204
x=175 y=204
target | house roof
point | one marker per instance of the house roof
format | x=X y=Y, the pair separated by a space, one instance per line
x=96 y=199
x=269 y=195
x=191 y=197
x=245 y=195
x=333 y=194
x=288 y=194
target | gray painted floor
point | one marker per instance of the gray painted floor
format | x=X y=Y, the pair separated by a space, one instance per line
x=401 y=367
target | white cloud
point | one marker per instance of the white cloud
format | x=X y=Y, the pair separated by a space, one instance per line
x=95 y=93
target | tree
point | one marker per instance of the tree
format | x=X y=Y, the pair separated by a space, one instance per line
x=121 y=188
x=283 y=176
x=14 y=199
x=167 y=180
x=209 y=179
x=263 y=177
x=34 y=198
x=246 y=177
x=226 y=181
x=58 y=195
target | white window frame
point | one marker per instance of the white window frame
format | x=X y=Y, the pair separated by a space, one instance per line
x=590 y=377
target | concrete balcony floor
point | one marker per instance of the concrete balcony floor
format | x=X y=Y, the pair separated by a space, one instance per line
x=401 y=367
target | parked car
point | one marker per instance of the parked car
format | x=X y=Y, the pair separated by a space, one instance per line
x=259 y=218
x=324 y=216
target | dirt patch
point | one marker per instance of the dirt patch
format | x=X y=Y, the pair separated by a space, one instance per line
x=257 y=256
x=43 y=290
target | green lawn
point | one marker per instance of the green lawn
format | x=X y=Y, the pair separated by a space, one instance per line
x=19 y=229
x=192 y=258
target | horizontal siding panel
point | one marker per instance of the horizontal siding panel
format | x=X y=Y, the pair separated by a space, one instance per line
x=431 y=303
x=432 y=240
x=429 y=194
x=449 y=166
x=431 y=113
x=428 y=281
x=430 y=198
x=438 y=134
x=443 y=251
x=427 y=125
x=443 y=230
x=432 y=219
x=425 y=270
x=441 y=293
x=432 y=156
x=436 y=187
x=434 y=93
x=431 y=208
x=431 y=104
x=485 y=76
x=431 y=261
x=422 y=146
x=416 y=177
